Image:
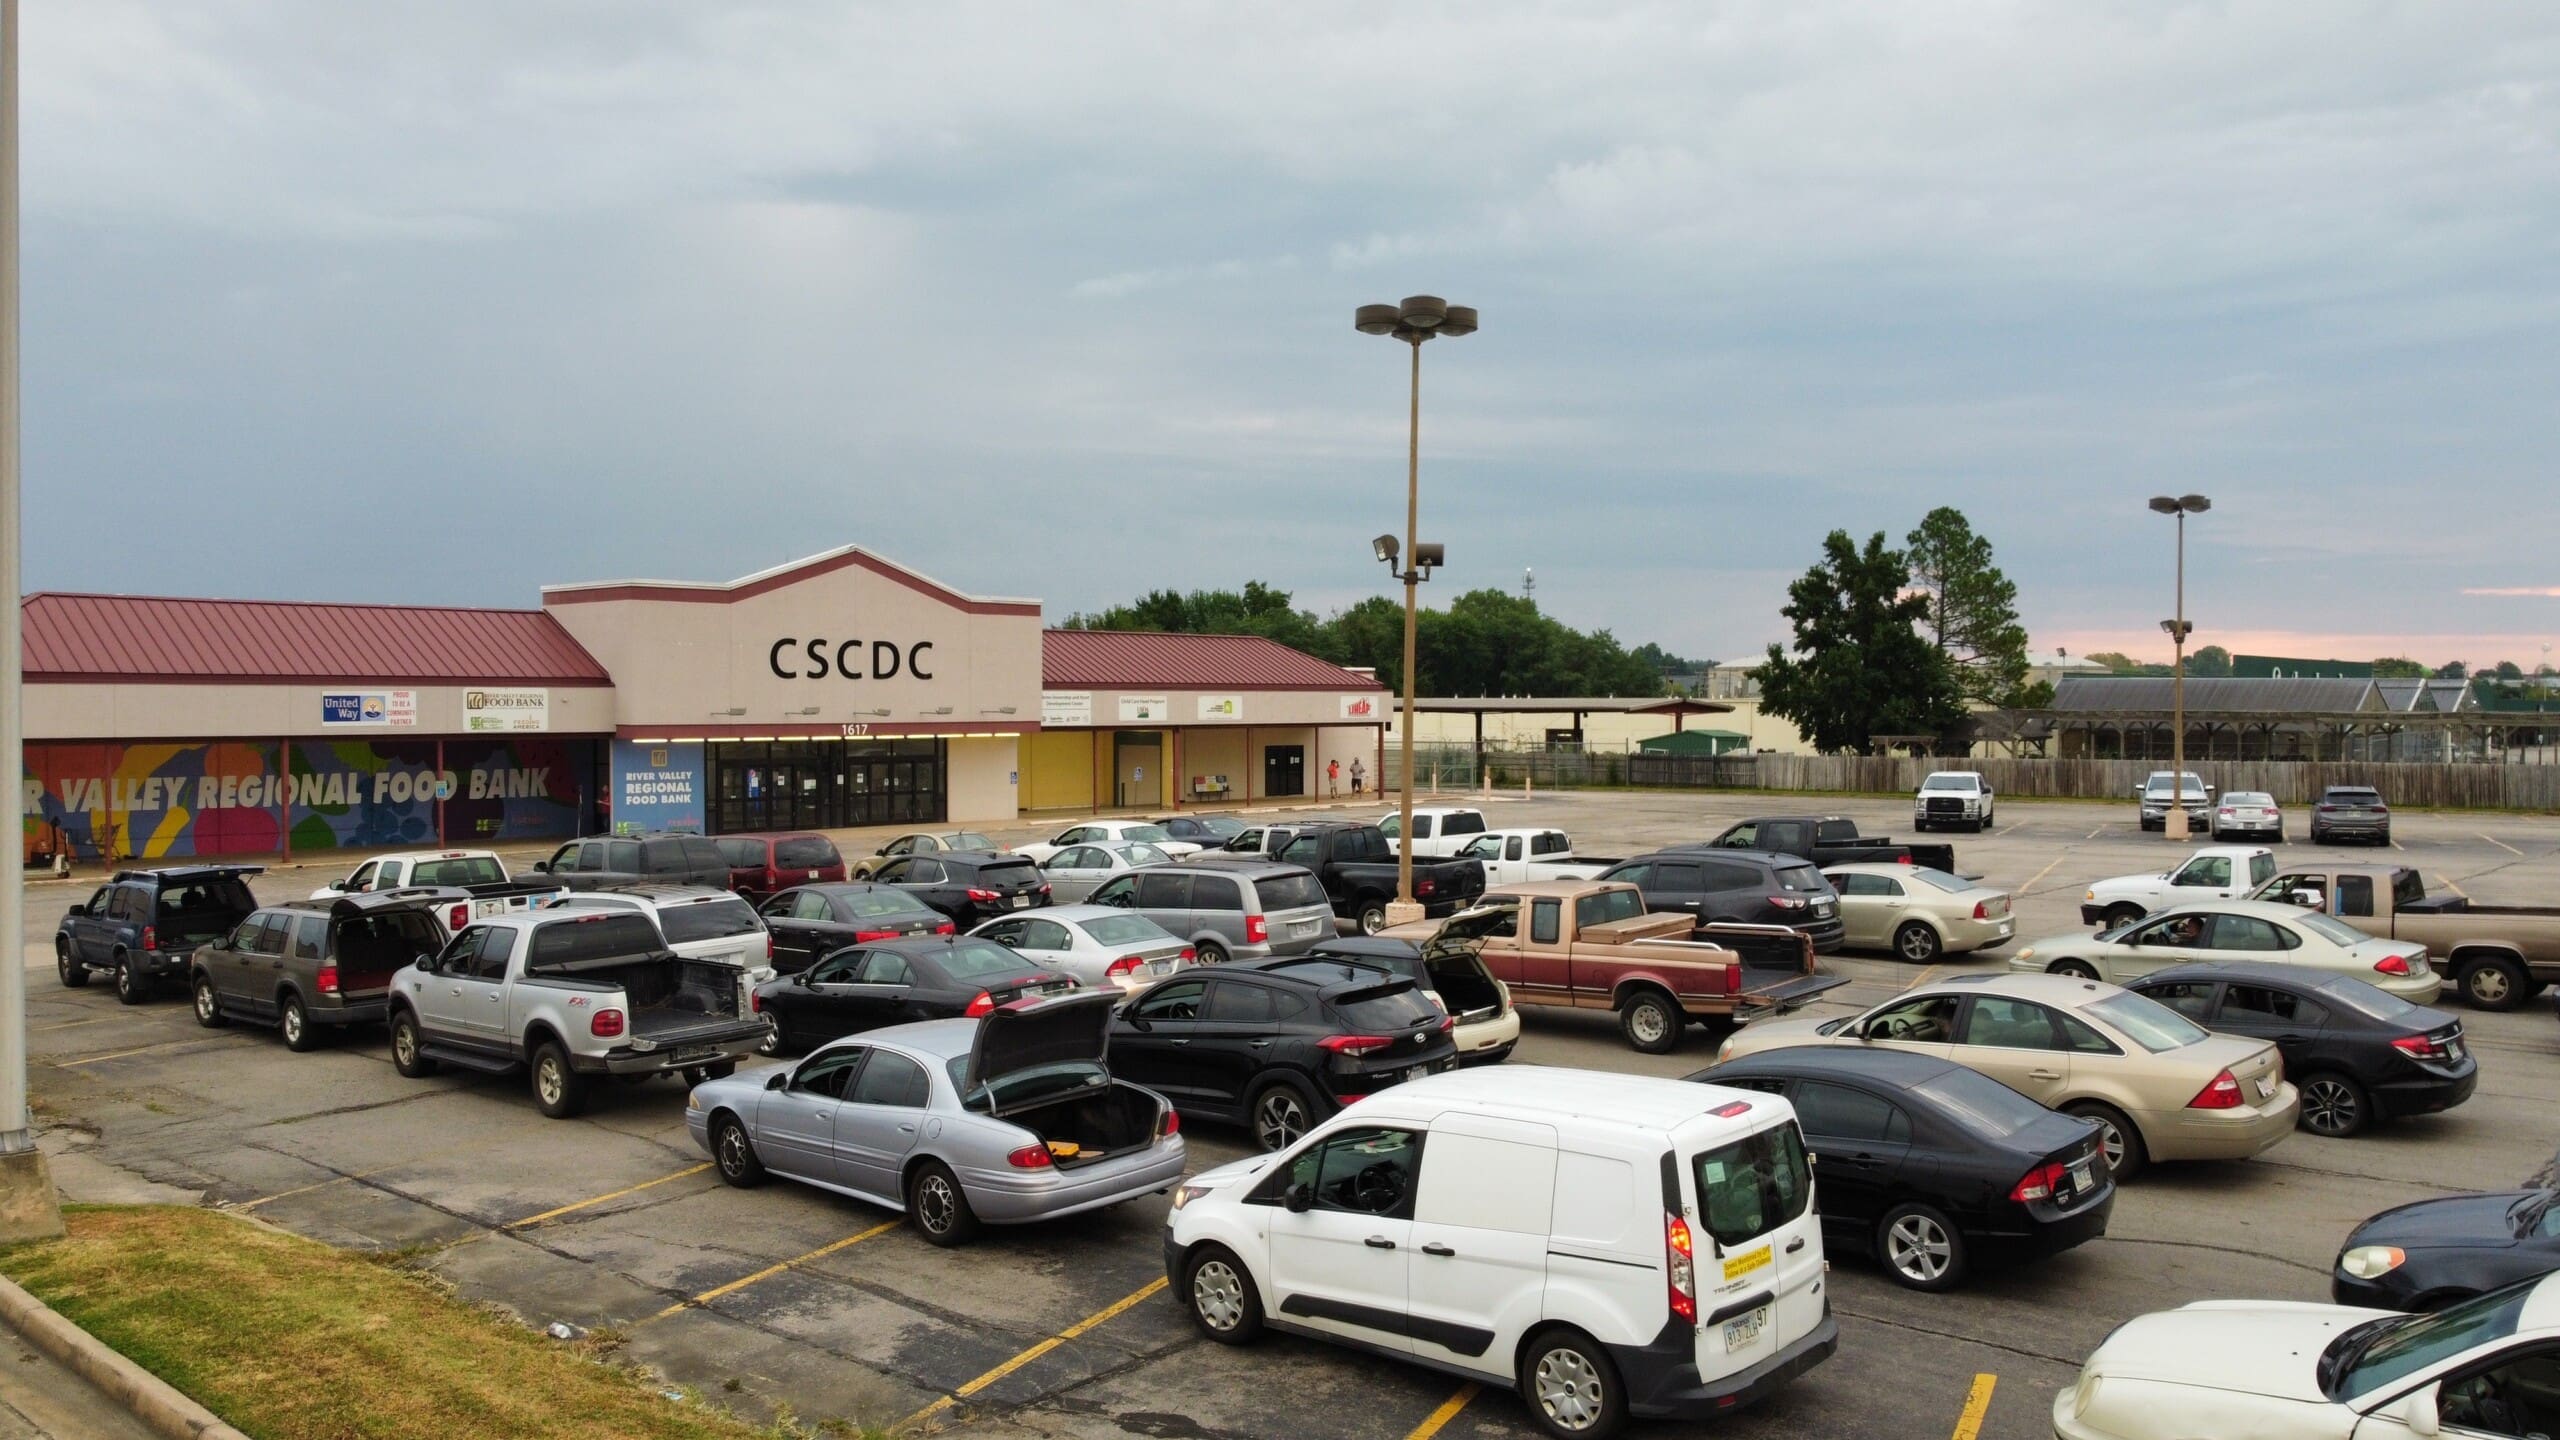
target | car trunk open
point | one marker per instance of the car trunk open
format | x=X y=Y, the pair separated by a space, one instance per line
x=373 y=936
x=667 y=995
x=1040 y=1064
x=1462 y=984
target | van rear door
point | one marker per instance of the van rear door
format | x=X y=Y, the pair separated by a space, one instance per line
x=1478 y=1273
x=1757 y=1239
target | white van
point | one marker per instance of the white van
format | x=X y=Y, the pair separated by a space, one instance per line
x=1611 y=1245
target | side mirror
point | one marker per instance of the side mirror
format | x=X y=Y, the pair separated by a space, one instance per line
x=542 y=865
x=802 y=978
x=2308 y=899
x=81 y=908
x=1298 y=1199
x=2418 y=1412
x=777 y=1079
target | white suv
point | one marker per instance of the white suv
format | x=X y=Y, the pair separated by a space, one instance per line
x=697 y=923
x=1953 y=797
x=1611 y=1245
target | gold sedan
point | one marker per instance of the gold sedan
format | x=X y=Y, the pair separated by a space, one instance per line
x=1918 y=913
x=2160 y=1086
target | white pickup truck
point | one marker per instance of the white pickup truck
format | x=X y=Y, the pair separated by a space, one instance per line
x=1513 y=857
x=478 y=873
x=1439 y=831
x=2214 y=872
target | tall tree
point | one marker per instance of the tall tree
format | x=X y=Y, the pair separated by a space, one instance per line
x=1971 y=608
x=1860 y=668
x=2209 y=661
x=2398 y=667
x=2453 y=670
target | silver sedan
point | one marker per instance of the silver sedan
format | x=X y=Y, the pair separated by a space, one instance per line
x=1100 y=945
x=1045 y=1131
x=1075 y=872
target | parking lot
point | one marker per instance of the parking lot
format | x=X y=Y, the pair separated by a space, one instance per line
x=786 y=1299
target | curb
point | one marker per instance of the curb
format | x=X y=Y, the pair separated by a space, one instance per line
x=149 y=1398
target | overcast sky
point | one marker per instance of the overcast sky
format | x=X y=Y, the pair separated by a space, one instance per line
x=443 y=301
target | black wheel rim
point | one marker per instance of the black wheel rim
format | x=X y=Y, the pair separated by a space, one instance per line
x=1279 y=1119
x=2329 y=1106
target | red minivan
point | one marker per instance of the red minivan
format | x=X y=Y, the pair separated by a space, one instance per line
x=760 y=865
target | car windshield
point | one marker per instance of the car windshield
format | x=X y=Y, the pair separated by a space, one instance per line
x=1607 y=907
x=1981 y=1104
x=980 y=960
x=805 y=852
x=708 y=920
x=1219 y=825
x=1296 y=890
x=2353 y=797
x=1801 y=878
x=2368 y=1357
x=2146 y=1022
x=1950 y=782
x=1149 y=833
x=2365 y=999
x=1124 y=930
x=969 y=840
x=2257 y=798
x=1396 y=1005
x=2336 y=932
x=1753 y=1186
x=870 y=904
x=468 y=870
x=1952 y=884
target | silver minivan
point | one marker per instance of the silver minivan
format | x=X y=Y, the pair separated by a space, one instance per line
x=1228 y=911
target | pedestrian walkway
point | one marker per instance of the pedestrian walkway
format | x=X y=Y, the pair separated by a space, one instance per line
x=40 y=1400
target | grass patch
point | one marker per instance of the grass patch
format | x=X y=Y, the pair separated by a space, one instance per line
x=288 y=1338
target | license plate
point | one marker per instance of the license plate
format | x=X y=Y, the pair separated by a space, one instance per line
x=1021 y=902
x=2266 y=1087
x=2453 y=1050
x=686 y=1057
x=1746 y=1330
x=1302 y=927
x=2081 y=1178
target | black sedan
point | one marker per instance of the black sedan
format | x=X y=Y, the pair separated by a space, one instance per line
x=1926 y=1164
x=2427 y=1255
x=967 y=886
x=2356 y=1053
x=863 y=987
x=1206 y=831
x=1277 y=1050
x=813 y=920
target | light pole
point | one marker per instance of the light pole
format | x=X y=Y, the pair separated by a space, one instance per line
x=2174 y=824
x=1416 y=320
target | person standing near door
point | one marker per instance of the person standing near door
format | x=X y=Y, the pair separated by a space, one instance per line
x=1332 y=778
x=1356 y=773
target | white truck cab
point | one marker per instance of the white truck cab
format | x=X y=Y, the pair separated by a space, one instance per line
x=1610 y=1245
x=1439 y=831
x=1512 y=857
x=2215 y=872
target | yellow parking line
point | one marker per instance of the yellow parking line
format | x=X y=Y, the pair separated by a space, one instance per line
x=71 y=1024
x=2456 y=889
x=2047 y=870
x=1922 y=977
x=1108 y=1312
x=600 y=1199
x=1976 y=1405
x=768 y=1272
x=2501 y=844
x=1447 y=1412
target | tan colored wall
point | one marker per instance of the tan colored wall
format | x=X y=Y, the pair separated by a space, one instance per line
x=1210 y=751
x=980 y=777
x=259 y=712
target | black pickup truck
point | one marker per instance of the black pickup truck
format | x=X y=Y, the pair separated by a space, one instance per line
x=1830 y=840
x=1358 y=871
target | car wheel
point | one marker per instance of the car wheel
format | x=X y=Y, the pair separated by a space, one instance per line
x=1921 y=1248
x=2319 y=836
x=1280 y=1114
x=1571 y=1387
x=2076 y=969
x=1209 y=952
x=2334 y=1105
x=409 y=1048
x=1651 y=1022
x=2492 y=984
x=2117 y=1139
x=131 y=988
x=938 y=1206
x=1223 y=1301
x=74 y=974
x=1372 y=917
x=771 y=1044
x=734 y=1155
x=1916 y=942
x=209 y=1005
x=295 y=1022
x=558 y=1088
x=2119 y=916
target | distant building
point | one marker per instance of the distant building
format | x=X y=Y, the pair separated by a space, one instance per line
x=2290 y=667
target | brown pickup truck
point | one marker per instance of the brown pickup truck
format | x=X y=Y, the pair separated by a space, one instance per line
x=1591 y=945
x=2498 y=955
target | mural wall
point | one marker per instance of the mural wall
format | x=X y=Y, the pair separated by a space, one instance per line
x=151 y=801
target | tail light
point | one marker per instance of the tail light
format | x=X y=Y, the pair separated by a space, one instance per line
x=1424 y=887
x=755 y=1002
x=1044 y=887
x=1356 y=1045
x=981 y=1004
x=768 y=947
x=1448 y=1022
x=946 y=928
x=2324 y=809
x=865 y=937
x=150 y=937
x=605 y=1024
x=1785 y=902
x=983 y=897
x=1733 y=979
x=1257 y=929
x=2392 y=964
x=457 y=917
x=1679 y=1255
x=2222 y=1094
x=2422 y=1047
x=1981 y=909
x=1125 y=965
x=2039 y=1183
x=327 y=980
x=1902 y=859
x=1169 y=1124
x=1030 y=1157
x=1188 y=955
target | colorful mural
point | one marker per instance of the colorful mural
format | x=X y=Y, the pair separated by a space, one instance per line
x=151 y=801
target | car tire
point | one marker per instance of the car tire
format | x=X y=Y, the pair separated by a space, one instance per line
x=1921 y=1248
x=2492 y=983
x=1218 y=1291
x=131 y=988
x=733 y=1154
x=939 y=1207
x=1209 y=952
x=1651 y=1021
x=2319 y=836
x=1279 y=1111
x=2119 y=916
x=2073 y=969
x=74 y=974
x=1918 y=943
x=209 y=1005
x=409 y=1047
x=2333 y=1105
x=294 y=1019
x=558 y=1088
x=1371 y=916
x=772 y=1043
x=2117 y=1139
x=1570 y=1386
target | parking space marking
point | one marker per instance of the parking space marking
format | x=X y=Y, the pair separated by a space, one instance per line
x=2456 y=889
x=120 y=1054
x=2501 y=844
x=1976 y=1405
x=531 y=1220
x=2047 y=870
x=1099 y=1317
x=1923 y=975
x=305 y=1189
x=71 y=1024
x=1447 y=1412
x=768 y=1272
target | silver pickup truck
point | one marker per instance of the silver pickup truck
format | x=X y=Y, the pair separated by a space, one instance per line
x=568 y=996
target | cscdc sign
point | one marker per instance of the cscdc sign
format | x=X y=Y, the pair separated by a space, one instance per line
x=792 y=658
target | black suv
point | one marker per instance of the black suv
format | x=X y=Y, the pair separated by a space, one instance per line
x=141 y=926
x=1278 y=1046
x=967 y=885
x=608 y=862
x=1748 y=885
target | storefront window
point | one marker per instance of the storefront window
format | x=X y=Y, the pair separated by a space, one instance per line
x=826 y=784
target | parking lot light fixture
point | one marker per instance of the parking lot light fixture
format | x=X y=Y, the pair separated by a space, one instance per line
x=2174 y=823
x=1416 y=320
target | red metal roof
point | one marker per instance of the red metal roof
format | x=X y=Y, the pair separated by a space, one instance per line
x=1134 y=660
x=151 y=638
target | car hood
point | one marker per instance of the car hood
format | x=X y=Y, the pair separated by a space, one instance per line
x=2131 y=884
x=1037 y=1034
x=2455 y=1220
x=2251 y=1347
x=1232 y=1172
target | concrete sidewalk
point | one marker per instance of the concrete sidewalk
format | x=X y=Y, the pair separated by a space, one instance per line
x=40 y=1400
